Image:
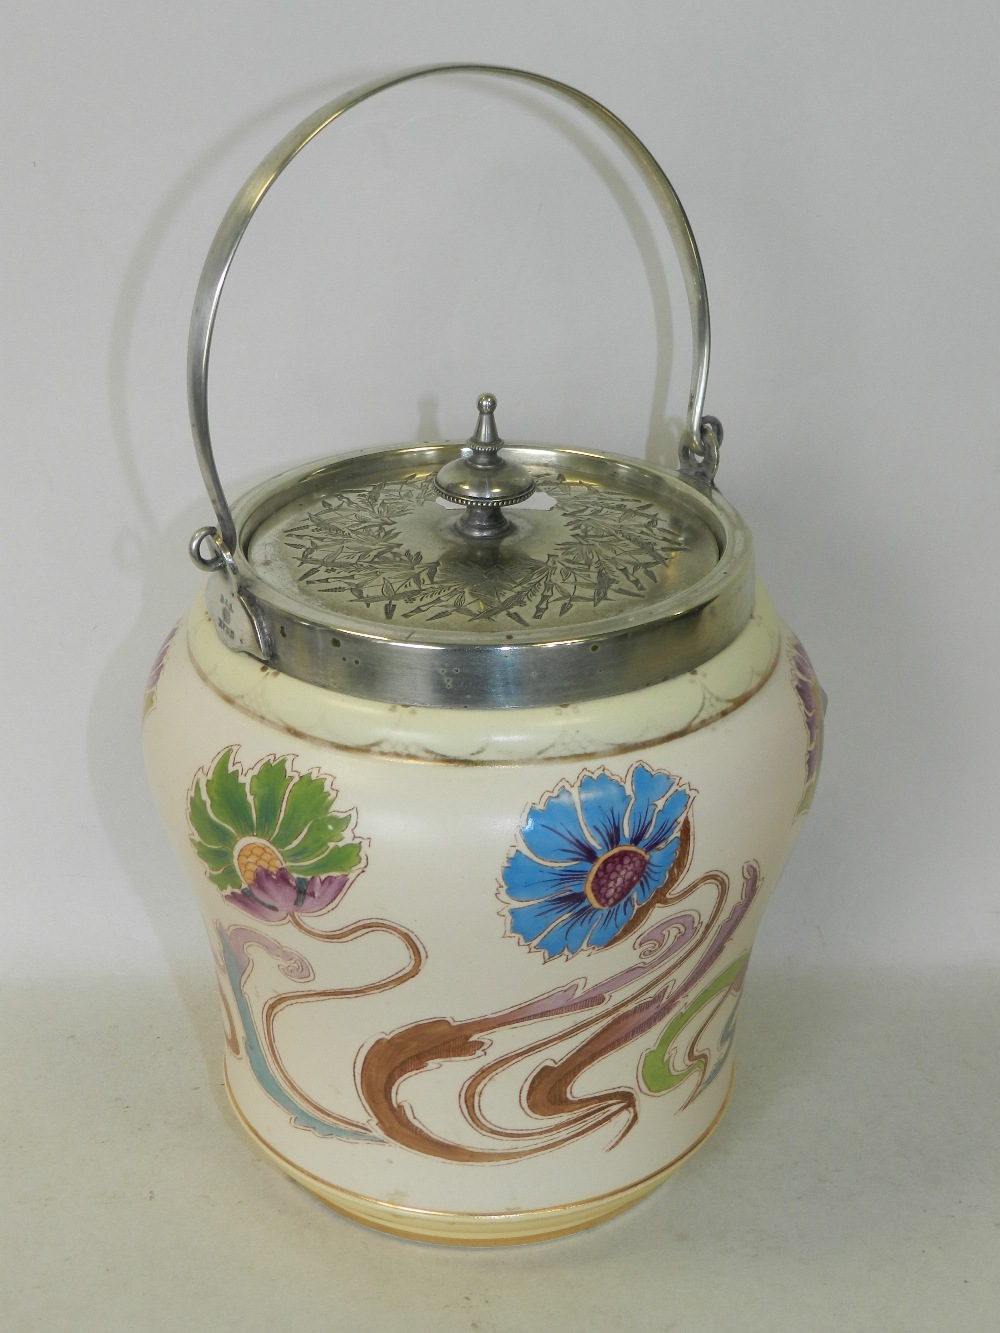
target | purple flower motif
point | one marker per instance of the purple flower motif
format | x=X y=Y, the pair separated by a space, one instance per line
x=275 y=894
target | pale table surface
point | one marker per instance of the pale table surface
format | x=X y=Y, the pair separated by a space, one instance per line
x=854 y=1183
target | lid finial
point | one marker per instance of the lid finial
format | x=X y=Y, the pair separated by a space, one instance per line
x=486 y=436
x=483 y=481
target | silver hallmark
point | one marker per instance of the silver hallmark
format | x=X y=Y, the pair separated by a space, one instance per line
x=233 y=617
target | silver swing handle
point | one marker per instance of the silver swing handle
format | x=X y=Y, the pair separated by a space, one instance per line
x=699 y=446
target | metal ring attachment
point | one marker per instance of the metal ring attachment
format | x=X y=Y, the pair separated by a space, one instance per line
x=207 y=563
x=701 y=461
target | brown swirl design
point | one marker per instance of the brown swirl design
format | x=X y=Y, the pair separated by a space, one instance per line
x=649 y=991
x=276 y=1004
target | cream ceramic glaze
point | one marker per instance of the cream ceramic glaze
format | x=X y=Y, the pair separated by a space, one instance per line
x=481 y=809
x=480 y=970
x=496 y=735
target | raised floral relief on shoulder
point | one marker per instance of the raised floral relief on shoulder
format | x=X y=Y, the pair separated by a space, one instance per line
x=155 y=672
x=812 y=701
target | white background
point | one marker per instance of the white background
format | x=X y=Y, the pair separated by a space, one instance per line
x=840 y=169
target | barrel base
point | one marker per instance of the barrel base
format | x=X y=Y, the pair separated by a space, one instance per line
x=468 y=1229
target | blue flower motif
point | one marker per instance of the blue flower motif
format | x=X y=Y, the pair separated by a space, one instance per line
x=592 y=856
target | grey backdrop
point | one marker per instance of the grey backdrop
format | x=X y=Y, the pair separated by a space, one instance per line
x=839 y=166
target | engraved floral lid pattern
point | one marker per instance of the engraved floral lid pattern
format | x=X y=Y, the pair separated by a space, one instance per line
x=355 y=543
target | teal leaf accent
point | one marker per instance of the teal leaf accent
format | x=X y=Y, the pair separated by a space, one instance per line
x=337 y=861
x=300 y=1115
x=267 y=788
x=227 y=796
x=307 y=800
x=209 y=830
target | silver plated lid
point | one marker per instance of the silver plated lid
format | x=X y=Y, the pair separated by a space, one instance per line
x=476 y=574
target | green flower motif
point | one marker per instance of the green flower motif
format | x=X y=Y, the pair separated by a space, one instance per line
x=259 y=827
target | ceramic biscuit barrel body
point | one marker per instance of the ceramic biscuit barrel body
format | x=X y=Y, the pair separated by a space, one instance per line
x=480 y=971
x=482 y=762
